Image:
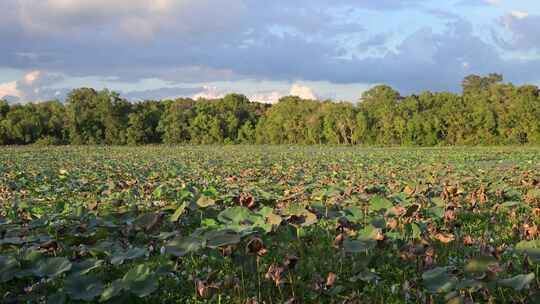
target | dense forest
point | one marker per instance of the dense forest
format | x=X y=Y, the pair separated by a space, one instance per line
x=487 y=112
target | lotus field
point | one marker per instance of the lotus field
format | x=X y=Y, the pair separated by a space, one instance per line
x=269 y=224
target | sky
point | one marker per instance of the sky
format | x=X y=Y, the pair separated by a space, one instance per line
x=317 y=49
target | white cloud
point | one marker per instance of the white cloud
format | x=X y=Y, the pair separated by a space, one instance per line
x=519 y=14
x=9 y=89
x=161 y=93
x=189 y=42
x=303 y=92
x=209 y=92
x=296 y=89
x=33 y=86
x=478 y=2
x=139 y=19
x=266 y=97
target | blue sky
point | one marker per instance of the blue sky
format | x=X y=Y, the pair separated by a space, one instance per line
x=264 y=49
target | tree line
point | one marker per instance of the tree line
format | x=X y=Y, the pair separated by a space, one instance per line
x=487 y=112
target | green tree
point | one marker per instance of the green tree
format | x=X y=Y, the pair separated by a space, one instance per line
x=174 y=123
x=22 y=125
x=246 y=134
x=4 y=109
x=379 y=103
x=143 y=123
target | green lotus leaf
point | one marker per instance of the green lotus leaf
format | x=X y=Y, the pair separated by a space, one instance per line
x=215 y=239
x=12 y=241
x=238 y=215
x=184 y=245
x=533 y=193
x=436 y=211
x=119 y=257
x=57 y=298
x=103 y=248
x=378 y=222
x=270 y=220
x=309 y=219
x=113 y=290
x=518 y=282
x=354 y=214
x=265 y=211
x=356 y=246
x=413 y=230
x=438 y=280
x=531 y=248
x=178 y=213
x=159 y=192
x=86 y=266
x=439 y=202
x=479 y=265
x=9 y=267
x=470 y=284
x=366 y=276
x=294 y=209
x=378 y=203
x=510 y=204
x=52 y=267
x=83 y=287
x=205 y=201
x=140 y=280
x=369 y=233
x=298 y=210
x=146 y=221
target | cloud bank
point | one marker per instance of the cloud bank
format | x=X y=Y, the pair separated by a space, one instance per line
x=191 y=44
